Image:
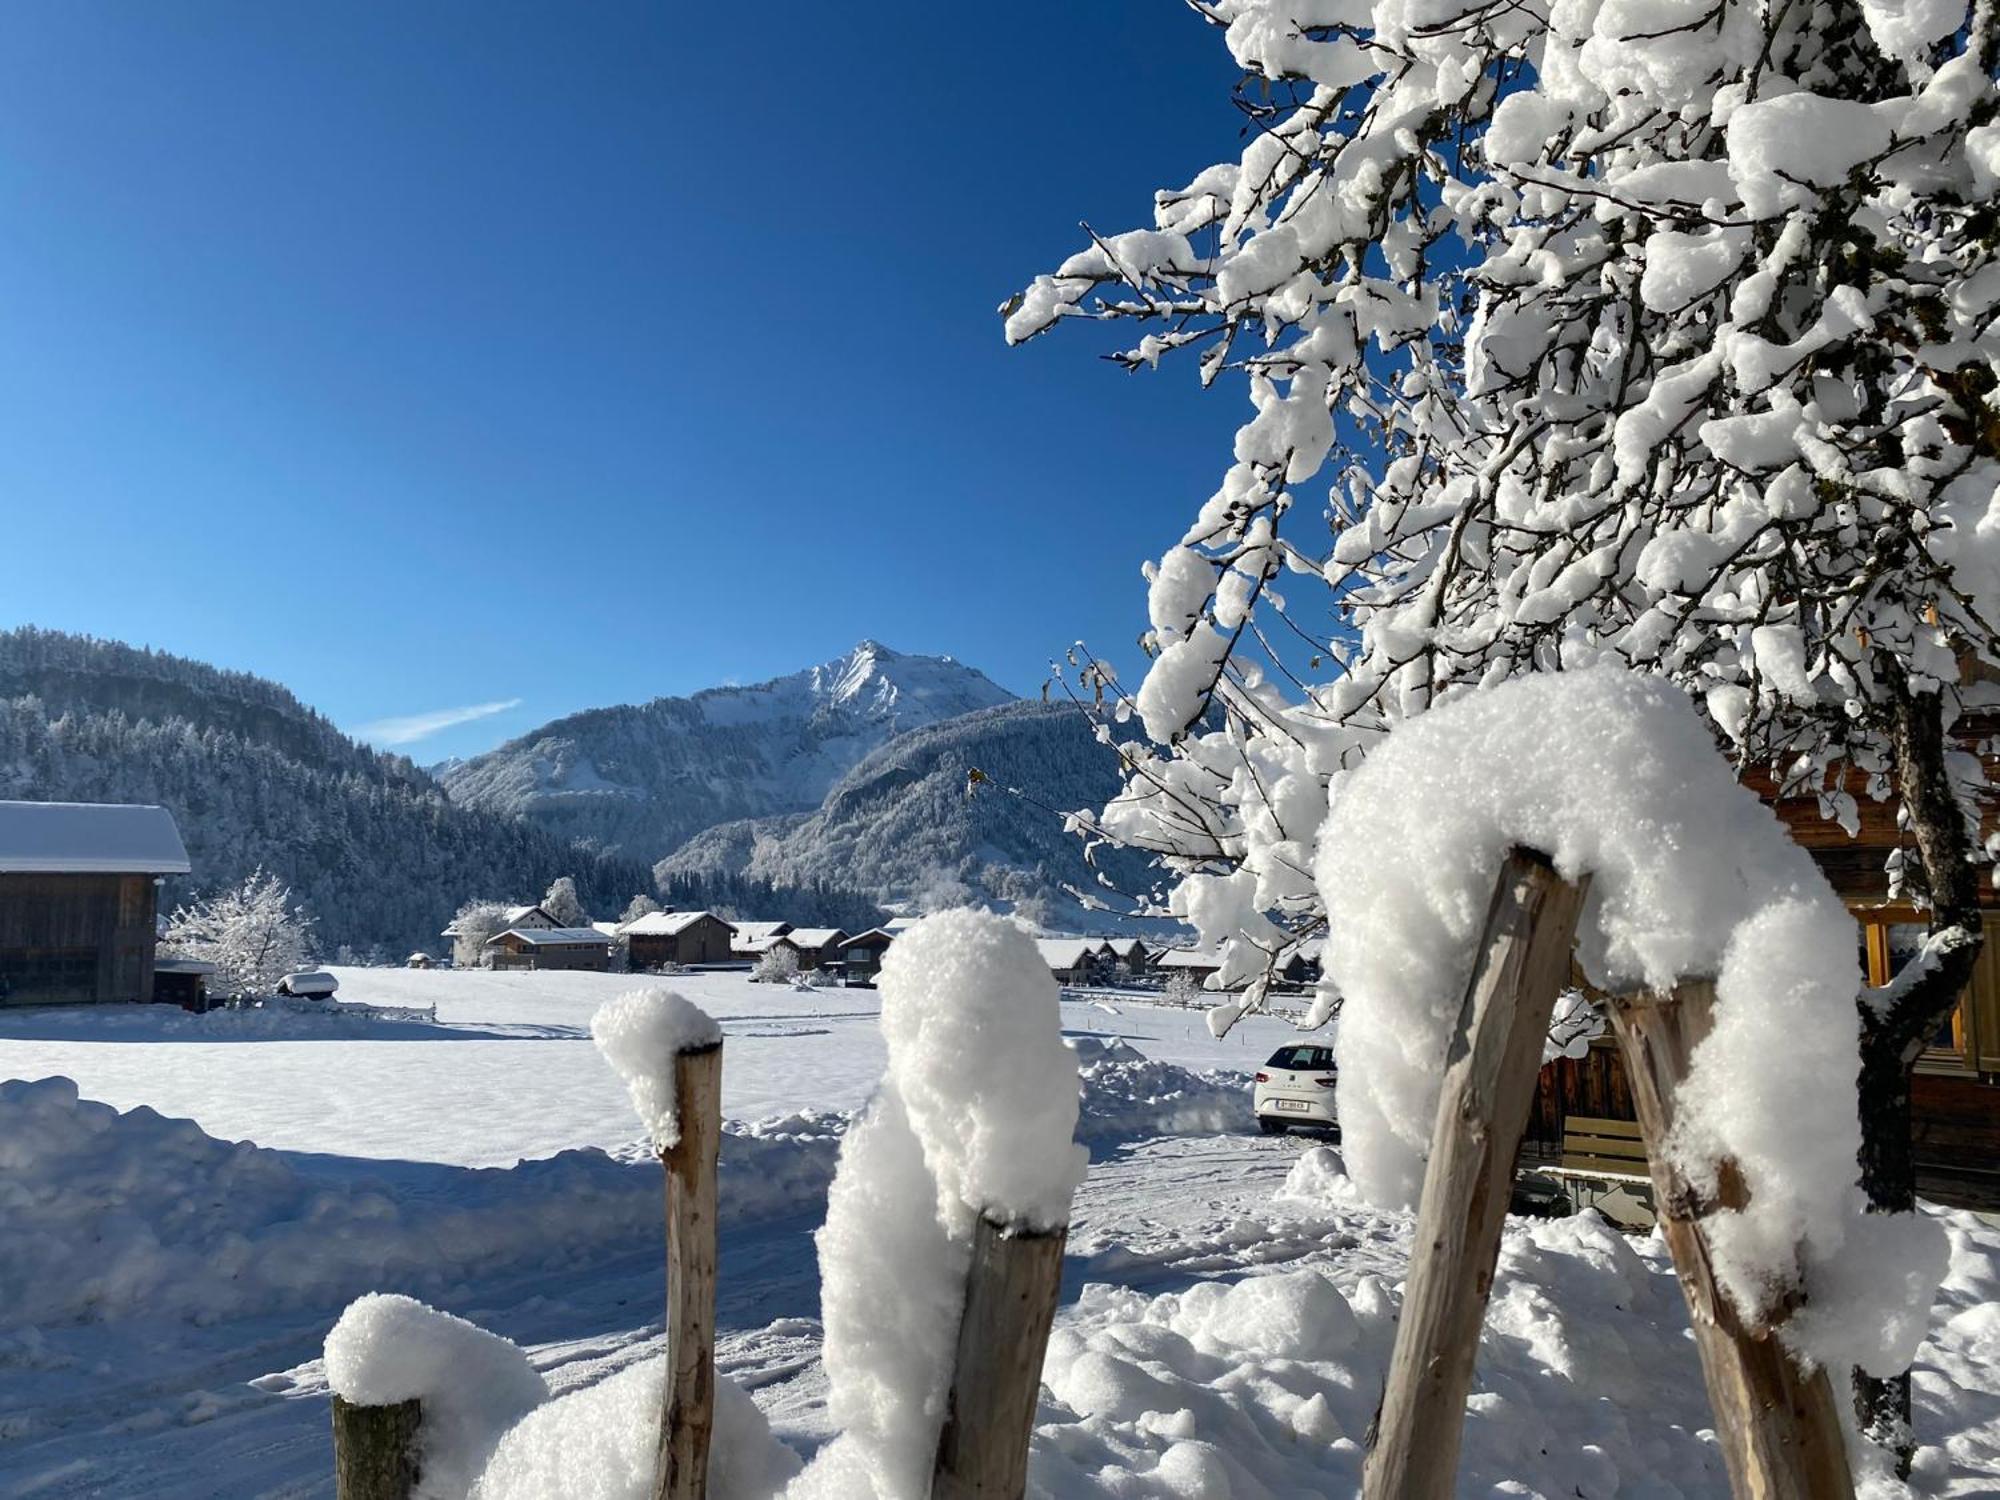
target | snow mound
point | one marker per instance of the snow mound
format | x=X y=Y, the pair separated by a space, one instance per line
x=474 y=1385
x=599 y=1443
x=106 y=1215
x=1613 y=776
x=1134 y=1096
x=640 y=1034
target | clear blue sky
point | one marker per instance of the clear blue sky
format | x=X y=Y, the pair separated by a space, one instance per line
x=429 y=355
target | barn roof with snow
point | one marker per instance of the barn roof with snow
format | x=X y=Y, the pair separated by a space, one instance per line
x=537 y=936
x=813 y=937
x=1069 y=953
x=89 y=838
x=667 y=923
x=750 y=931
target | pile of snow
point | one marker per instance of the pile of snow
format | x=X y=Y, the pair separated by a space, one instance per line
x=1128 y=1096
x=1587 y=1382
x=106 y=1214
x=600 y=1443
x=1614 y=777
x=640 y=1035
x=473 y=1385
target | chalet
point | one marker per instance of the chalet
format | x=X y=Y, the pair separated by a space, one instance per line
x=678 y=937
x=419 y=960
x=1074 y=960
x=79 y=899
x=861 y=955
x=1299 y=964
x=815 y=945
x=752 y=938
x=1131 y=955
x=550 y=948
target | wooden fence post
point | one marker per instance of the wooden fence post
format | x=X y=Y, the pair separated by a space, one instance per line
x=375 y=1450
x=687 y=1415
x=1780 y=1432
x=1010 y=1303
x=1489 y=1084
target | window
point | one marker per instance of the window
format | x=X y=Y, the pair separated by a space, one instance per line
x=1302 y=1059
x=1889 y=941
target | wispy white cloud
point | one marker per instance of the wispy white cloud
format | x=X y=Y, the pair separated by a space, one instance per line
x=407 y=729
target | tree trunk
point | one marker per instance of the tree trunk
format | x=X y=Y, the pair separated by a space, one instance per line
x=1893 y=1036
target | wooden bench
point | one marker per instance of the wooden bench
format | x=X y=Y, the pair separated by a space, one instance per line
x=1604 y=1167
x=1602 y=1148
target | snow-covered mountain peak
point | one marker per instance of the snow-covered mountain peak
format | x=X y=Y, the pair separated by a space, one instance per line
x=878 y=683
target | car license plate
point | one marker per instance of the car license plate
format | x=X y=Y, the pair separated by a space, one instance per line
x=1295 y=1104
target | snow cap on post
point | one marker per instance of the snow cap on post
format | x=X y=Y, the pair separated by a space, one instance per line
x=473 y=1385
x=640 y=1034
x=973 y=1021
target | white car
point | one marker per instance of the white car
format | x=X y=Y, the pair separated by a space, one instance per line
x=1295 y=1088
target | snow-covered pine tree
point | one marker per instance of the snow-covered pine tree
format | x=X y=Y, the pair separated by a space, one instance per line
x=252 y=933
x=1652 y=329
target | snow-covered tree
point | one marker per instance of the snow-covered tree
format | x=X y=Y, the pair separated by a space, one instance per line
x=779 y=965
x=639 y=906
x=1639 y=329
x=252 y=933
x=477 y=924
x=563 y=905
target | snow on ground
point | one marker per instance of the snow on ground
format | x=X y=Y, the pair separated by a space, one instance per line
x=1228 y=1304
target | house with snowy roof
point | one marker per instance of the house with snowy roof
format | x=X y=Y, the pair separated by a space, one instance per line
x=1132 y=954
x=816 y=945
x=860 y=956
x=753 y=939
x=678 y=937
x=79 y=899
x=550 y=948
x=1075 y=960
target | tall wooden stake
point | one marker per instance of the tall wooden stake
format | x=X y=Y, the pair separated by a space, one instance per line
x=1780 y=1432
x=375 y=1450
x=1010 y=1303
x=687 y=1416
x=1489 y=1084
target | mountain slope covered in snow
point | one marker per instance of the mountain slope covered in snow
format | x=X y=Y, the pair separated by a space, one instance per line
x=640 y=779
x=906 y=824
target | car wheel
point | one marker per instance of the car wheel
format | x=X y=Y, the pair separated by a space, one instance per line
x=1270 y=1126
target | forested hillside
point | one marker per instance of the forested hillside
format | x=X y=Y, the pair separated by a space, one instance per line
x=377 y=852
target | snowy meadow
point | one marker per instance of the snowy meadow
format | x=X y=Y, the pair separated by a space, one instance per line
x=186 y=1222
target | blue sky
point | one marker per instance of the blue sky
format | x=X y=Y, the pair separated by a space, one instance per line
x=447 y=355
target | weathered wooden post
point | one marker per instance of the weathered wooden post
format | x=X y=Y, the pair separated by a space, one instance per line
x=1489 y=1085
x=375 y=1450
x=1780 y=1432
x=1010 y=1304
x=687 y=1416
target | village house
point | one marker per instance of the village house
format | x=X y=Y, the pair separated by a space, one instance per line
x=816 y=945
x=79 y=899
x=752 y=939
x=678 y=937
x=1196 y=965
x=1132 y=955
x=550 y=948
x=1075 y=960
x=861 y=955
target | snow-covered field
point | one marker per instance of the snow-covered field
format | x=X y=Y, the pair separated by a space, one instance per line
x=1228 y=1304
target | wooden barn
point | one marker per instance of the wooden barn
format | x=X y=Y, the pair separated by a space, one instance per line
x=1133 y=956
x=750 y=939
x=678 y=937
x=550 y=948
x=79 y=899
x=1076 y=960
x=816 y=945
x=1955 y=1090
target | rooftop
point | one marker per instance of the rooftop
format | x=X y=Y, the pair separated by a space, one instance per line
x=89 y=838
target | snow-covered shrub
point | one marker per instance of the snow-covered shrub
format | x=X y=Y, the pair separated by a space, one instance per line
x=777 y=965
x=252 y=933
x=1184 y=989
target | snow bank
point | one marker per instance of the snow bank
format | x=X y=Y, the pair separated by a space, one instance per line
x=600 y=1443
x=474 y=1385
x=105 y=1215
x=1128 y=1096
x=1613 y=776
x=973 y=1021
x=640 y=1035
